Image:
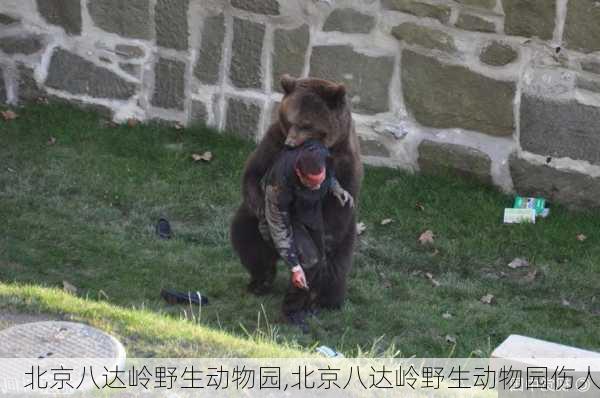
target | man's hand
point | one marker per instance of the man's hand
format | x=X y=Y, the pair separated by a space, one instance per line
x=299 y=278
x=344 y=197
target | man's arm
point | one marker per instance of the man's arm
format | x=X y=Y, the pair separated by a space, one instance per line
x=340 y=193
x=277 y=205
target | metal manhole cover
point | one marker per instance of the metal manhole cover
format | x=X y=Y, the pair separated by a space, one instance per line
x=59 y=340
x=55 y=346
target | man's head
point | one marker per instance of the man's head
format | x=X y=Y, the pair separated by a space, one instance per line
x=310 y=166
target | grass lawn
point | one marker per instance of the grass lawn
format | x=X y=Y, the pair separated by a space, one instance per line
x=83 y=210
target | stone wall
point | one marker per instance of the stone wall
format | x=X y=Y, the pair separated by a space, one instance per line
x=505 y=91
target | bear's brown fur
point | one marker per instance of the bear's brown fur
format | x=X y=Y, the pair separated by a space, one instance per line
x=311 y=108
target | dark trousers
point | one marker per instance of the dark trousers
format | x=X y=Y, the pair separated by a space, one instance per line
x=311 y=251
x=261 y=265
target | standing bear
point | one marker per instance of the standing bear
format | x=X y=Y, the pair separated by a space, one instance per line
x=310 y=109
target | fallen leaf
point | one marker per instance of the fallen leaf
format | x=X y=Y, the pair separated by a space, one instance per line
x=581 y=237
x=426 y=237
x=8 y=115
x=51 y=141
x=488 y=299
x=360 y=228
x=450 y=339
x=69 y=288
x=386 y=221
x=446 y=315
x=206 y=157
x=566 y=302
x=431 y=279
x=11 y=170
x=518 y=263
x=419 y=207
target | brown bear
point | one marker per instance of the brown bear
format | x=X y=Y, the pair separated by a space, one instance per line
x=310 y=109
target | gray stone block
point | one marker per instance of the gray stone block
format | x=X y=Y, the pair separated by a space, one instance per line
x=530 y=18
x=64 y=13
x=172 y=23
x=27 y=85
x=21 y=45
x=582 y=27
x=8 y=20
x=575 y=190
x=474 y=23
x=199 y=113
x=496 y=53
x=591 y=66
x=127 y=51
x=134 y=70
x=367 y=78
x=289 y=53
x=169 y=84
x=588 y=84
x=444 y=158
x=414 y=34
x=560 y=128
x=245 y=70
x=129 y=18
x=419 y=9
x=373 y=148
x=488 y=4
x=209 y=58
x=348 y=20
x=242 y=117
x=76 y=75
x=447 y=96
x=267 y=7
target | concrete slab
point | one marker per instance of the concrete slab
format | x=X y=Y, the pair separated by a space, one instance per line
x=522 y=347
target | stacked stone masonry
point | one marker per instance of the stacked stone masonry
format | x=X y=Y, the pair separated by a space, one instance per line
x=506 y=92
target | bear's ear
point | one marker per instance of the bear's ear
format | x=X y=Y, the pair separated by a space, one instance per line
x=288 y=83
x=335 y=95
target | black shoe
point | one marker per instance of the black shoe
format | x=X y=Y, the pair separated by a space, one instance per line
x=174 y=297
x=163 y=229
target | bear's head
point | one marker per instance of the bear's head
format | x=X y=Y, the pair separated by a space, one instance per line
x=314 y=109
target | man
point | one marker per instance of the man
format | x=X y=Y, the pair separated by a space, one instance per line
x=293 y=220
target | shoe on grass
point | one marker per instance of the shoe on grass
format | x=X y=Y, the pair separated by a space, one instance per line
x=163 y=229
x=174 y=297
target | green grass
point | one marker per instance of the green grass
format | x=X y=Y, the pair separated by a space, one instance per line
x=83 y=210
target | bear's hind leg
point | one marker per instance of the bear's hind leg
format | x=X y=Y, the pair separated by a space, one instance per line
x=332 y=289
